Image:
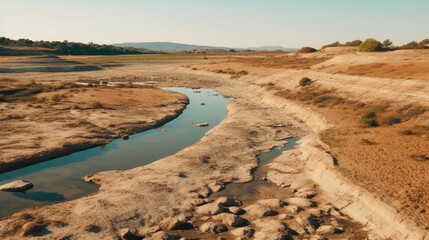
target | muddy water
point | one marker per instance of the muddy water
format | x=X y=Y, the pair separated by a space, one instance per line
x=60 y=179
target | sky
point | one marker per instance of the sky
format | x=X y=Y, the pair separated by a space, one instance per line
x=227 y=23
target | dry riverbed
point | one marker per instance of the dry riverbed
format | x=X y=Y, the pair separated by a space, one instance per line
x=303 y=193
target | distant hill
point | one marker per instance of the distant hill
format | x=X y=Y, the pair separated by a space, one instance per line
x=170 y=46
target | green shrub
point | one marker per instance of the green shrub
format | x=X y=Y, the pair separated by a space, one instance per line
x=353 y=43
x=307 y=50
x=424 y=43
x=305 y=81
x=392 y=120
x=411 y=45
x=369 y=119
x=370 y=45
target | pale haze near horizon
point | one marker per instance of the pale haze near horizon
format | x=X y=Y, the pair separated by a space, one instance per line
x=217 y=23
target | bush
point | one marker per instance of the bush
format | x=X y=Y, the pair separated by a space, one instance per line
x=243 y=72
x=368 y=119
x=1 y=97
x=305 y=81
x=355 y=43
x=411 y=45
x=387 y=43
x=307 y=50
x=424 y=43
x=392 y=120
x=370 y=45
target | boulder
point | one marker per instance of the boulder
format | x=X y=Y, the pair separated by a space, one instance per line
x=16 y=186
x=292 y=209
x=210 y=209
x=325 y=229
x=271 y=203
x=236 y=210
x=177 y=224
x=300 y=202
x=161 y=235
x=231 y=220
x=228 y=202
x=260 y=211
x=213 y=227
x=243 y=232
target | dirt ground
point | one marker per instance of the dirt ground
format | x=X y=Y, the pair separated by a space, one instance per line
x=62 y=118
x=368 y=180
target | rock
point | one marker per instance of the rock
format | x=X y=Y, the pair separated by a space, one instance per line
x=205 y=218
x=236 y=210
x=216 y=187
x=177 y=224
x=314 y=211
x=231 y=220
x=149 y=230
x=243 y=232
x=301 y=202
x=161 y=235
x=338 y=230
x=298 y=228
x=198 y=202
x=228 y=202
x=16 y=186
x=325 y=229
x=306 y=194
x=292 y=209
x=205 y=192
x=318 y=237
x=126 y=137
x=285 y=216
x=271 y=203
x=126 y=234
x=271 y=229
x=270 y=225
x=203 y=124
x=210 y=209
x=260 y=211
x=213 y=227
x=202 y=104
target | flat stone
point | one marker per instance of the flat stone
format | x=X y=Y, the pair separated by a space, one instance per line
x=161 y=235
x=260 y=211
x=177 y=224
x=236 y=210
x=213 y=227
x=203 y=124
x=292 y=209
x=210 y=209
x=231 y=220
x=325 y=229
x=228 y=202
x=243 y=232
x=285 y=216
x=271 y=203
x=300 y=202
x=16 y=186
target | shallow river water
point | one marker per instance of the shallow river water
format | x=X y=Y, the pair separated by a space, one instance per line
x=60 y=179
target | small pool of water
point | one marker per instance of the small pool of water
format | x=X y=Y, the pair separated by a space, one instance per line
x=258 y=186
x=60 y=179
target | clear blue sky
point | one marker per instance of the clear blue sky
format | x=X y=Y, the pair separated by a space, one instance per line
x=232 y=23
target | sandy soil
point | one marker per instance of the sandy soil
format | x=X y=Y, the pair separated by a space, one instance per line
x=55 y=123
x=268 y=105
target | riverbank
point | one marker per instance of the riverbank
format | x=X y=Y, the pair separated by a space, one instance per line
x=71 y=118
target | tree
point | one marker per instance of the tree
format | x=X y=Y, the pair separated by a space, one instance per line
x=387 y=43
x=370 y=45
x=424 y=43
